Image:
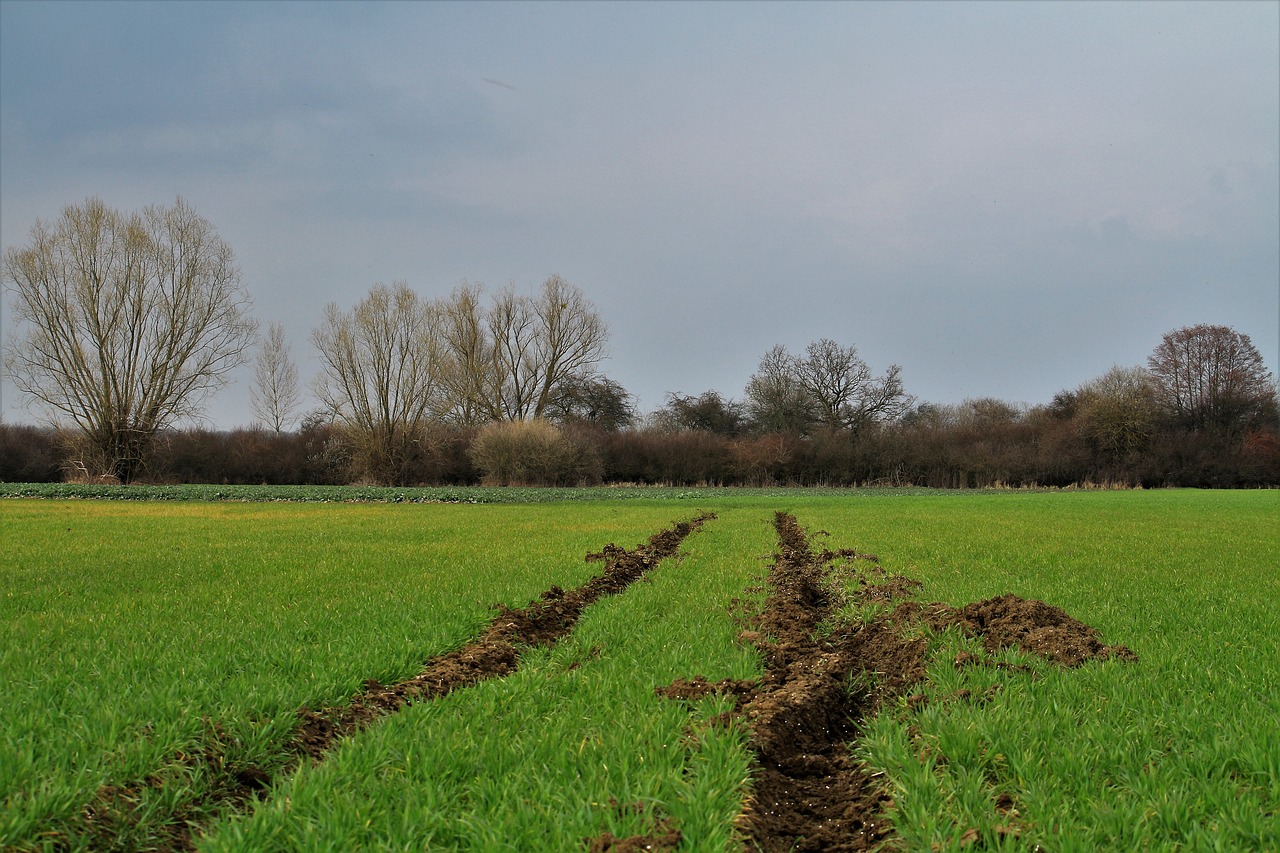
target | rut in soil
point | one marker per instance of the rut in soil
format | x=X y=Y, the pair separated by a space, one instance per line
x=822 y=680
x=111 y=820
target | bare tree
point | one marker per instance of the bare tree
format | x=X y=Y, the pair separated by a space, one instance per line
x=776 y=400
x=514 y=331
x=469 y=373
x=129 y=322
x=571 y=339
x=844 y=393
x=380 y=376
x=505 y=362
x=1212 y=377
x=595 y=400
x=274 y=394
x=829 y=386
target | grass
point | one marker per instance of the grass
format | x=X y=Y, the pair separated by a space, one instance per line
x=572 y=745
x=129 y=628
x=1178 y=751
x=137 y=631
x=411 y=494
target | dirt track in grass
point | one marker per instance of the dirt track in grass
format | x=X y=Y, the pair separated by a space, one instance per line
x=497 y=652
x=821 y=681
x=115 y=813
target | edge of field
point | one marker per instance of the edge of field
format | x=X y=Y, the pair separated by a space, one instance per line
x=458 y=494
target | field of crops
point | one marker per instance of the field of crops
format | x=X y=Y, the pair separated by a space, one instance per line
x=161 y=657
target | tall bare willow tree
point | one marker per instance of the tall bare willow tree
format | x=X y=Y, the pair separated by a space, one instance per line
x=508 y=361
x=469 y=374
x=380 y=376
x=127 y=322
x=571 y=339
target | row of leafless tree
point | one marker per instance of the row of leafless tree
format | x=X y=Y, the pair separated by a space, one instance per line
x=129 y=320
x=397 y=366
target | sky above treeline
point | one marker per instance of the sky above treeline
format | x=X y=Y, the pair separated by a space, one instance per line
x=1007 y=199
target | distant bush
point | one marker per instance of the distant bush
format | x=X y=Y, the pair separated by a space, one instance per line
x=533 y=452
x=969 y=446
x=659 y=457
x=29 y=454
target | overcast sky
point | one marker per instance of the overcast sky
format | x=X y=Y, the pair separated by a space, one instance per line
x=1004 y=198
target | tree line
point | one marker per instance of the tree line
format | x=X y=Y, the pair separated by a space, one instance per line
x=128 y=321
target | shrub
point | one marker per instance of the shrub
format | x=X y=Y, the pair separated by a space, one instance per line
x=29 y=454
x=532 y=452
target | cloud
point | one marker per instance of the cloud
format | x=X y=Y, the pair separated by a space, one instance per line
x=920 y=180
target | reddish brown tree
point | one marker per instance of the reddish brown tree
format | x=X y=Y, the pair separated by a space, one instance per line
x=1212 y=378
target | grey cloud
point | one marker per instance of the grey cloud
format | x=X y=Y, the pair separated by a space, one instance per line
x=1004 y=198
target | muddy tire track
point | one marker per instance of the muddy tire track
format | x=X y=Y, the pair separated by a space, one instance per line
x=115 y=812
x=117 y=816
x=821 y=682
x=497 y=652
x=808 y=793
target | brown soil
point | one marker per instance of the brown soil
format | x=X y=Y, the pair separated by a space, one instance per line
x=1035 y=627
x=115 y=811
x=114 y=816
x=698 y=687
x=663 y=837
x=892 y=589
x=808 y=793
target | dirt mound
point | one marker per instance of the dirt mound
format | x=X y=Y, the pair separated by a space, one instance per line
x=1037 y=628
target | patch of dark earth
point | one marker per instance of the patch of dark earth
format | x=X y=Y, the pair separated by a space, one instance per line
x=124 y=818
x=808 y=792
x=116 y=819
x=663 y=837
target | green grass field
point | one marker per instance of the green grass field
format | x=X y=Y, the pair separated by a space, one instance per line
x=139 y=634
